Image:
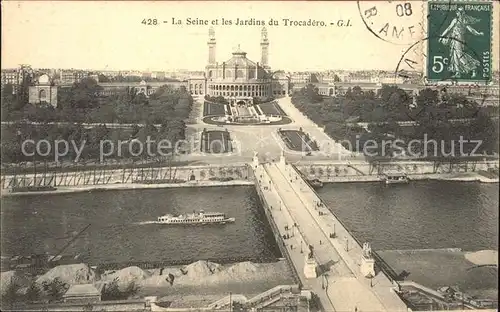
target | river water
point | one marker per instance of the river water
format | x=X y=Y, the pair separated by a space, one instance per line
x=418 y=215
x=413 y=216
x=118 y=232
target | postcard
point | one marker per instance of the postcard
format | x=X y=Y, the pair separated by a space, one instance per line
x=249 y=155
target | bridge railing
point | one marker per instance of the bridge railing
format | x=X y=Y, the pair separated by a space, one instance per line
x=381 y=263
x=311 y=189
x=275 y=228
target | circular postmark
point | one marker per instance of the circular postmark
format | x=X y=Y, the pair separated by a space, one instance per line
x=413 y=63
x=396 y=22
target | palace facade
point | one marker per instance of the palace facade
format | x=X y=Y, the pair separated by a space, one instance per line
x=240 y=79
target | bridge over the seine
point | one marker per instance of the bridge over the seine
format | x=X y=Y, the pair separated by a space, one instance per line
x=295 y=211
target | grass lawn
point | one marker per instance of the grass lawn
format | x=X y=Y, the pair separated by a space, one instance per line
x=211 y=109
x=272 y=109
x=298 y=141
x=216 y=142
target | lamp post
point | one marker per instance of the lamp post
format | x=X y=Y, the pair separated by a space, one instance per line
x=324 y=282
x=370 y=276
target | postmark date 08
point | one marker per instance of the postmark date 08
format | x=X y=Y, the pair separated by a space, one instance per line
x=404 y=9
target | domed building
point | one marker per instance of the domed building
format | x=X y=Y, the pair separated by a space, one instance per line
x=239 y=79
x=43 y=92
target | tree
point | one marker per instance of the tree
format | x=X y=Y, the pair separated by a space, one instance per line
x=112 y=291
x=84 y=94
x=103 y=78
x=33 y=292
x=222 y=172
x=238 y=306
x=131 y=290
x=328 y=171
x=312 y=170
x=8 y=100
x=320 y=171
x=238 y=173
x=55 y=289
x=311 y=93
x=10 y=294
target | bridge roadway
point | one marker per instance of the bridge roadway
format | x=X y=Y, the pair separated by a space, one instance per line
x=296 y=245
x=345 y=288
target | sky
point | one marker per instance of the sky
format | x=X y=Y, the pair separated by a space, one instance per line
x=110 y=35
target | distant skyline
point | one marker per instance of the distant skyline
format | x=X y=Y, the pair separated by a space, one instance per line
x=110 y=36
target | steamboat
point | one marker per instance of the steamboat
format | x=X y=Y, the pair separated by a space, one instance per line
x=395 y=178
x=201 y=218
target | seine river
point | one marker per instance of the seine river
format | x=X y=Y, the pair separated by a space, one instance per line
x=413 y=216
x=43 y=224
x=418 y=215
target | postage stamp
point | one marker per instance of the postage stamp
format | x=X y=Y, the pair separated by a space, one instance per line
x=459 y=45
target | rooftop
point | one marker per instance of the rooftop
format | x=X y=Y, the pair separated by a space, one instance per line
x=240 y=59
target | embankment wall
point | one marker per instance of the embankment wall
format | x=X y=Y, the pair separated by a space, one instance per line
x=364 y=171
x=279 y=239
x=122 y=176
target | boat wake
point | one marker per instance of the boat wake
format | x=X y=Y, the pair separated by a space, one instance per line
x=145 y=222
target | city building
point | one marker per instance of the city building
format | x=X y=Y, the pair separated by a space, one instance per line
x=11 y=77
x=240 y=79
x=158 y=75
x=16 y=76
x=146 y=88
x=70 y=76
x=300 y=77
x=43 y=92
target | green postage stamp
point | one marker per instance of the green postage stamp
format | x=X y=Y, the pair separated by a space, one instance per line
x=459 y=45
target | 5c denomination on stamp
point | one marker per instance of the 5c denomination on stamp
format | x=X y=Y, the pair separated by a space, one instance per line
x=397 y=22
x=460 y=50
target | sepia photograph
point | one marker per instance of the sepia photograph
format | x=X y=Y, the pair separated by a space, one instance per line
x=250 y=156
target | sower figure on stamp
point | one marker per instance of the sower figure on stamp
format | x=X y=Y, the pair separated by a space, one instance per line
x=454 y=35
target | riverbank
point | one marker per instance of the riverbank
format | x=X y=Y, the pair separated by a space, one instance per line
x=475 y=273
x=458 y=177
x=129 y=186
x=208 y=280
